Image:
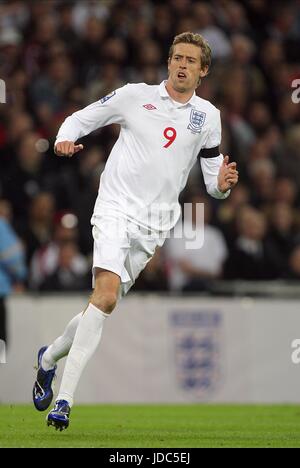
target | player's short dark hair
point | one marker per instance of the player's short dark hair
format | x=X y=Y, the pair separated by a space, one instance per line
x=197 y=40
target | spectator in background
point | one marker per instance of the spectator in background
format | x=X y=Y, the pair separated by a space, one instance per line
x=105 y=83
x=77 y=186
x=233 y=18
x=6 y=210
x=13 y=14
x=251 y=257
x=71 y=272
x=163 y=27
x=289 y=166
x=286 y=191
x=243 y=52
x=205 y=24
x=41 y=32
x=155 y=276
x=27 y=178
x=82 y=11
x=49 y=92
x=259 y=117
x=38 y=230
x=282 y=232
x=226 y=212
x=91 y=167
x=190 y=269
x=19 y=123
x=90 y=51
x=12 y=268
x=50 y=260
x=115 y=50
x=147 y=57
x=67 y=31
x=293 y=271
x=139 y=33
x=262 y=176
x=10 y=50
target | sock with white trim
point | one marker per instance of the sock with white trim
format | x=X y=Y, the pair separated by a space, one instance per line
x=85 y=342
x=61 y=346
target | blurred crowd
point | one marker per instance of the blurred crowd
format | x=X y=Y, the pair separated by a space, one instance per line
x=58 y=56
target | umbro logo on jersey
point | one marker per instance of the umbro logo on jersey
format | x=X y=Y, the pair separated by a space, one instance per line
x=149 y=106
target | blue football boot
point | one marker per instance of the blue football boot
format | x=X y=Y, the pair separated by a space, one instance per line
x=59 y=417
x=42 y=390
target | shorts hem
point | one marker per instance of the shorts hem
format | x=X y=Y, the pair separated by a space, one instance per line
x=103 y=266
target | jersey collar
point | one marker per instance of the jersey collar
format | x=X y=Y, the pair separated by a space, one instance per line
x=164 y=94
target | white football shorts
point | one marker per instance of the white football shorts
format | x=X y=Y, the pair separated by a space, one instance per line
x=123 y=247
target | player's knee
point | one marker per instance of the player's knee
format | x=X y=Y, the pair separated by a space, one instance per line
x=104 y=301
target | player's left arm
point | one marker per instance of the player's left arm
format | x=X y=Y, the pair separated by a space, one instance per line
x=219 y=175
x=228 y=175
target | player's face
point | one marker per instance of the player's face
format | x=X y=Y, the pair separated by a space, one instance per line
x=185 y=67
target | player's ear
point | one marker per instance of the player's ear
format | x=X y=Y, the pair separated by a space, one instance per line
x=203 y=72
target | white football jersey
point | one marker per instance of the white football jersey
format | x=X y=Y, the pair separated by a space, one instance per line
x=159 y=142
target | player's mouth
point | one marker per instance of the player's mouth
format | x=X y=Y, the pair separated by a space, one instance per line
x=181 y=75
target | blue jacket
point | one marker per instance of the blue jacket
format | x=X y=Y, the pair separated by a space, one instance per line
x=12 y=263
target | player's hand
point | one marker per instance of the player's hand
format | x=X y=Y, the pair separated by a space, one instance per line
x=67 y=148
x=228 y=175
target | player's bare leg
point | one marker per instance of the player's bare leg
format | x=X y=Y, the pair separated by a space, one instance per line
x=86 y=340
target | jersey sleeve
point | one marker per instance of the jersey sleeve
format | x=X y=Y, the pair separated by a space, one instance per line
x=108 y=110
x=214 y=136
x=211 y=159
x=210 y=170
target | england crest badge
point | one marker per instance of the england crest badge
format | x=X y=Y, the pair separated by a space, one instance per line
x=197 y=119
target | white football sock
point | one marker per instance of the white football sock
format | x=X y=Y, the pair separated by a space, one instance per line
x=61 y=346
x=85 y=342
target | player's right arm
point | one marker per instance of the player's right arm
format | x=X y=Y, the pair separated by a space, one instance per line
x=106 y=111
x=219 y=175
x=66 y=148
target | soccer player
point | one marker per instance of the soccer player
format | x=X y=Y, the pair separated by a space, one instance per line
x=164 y=129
